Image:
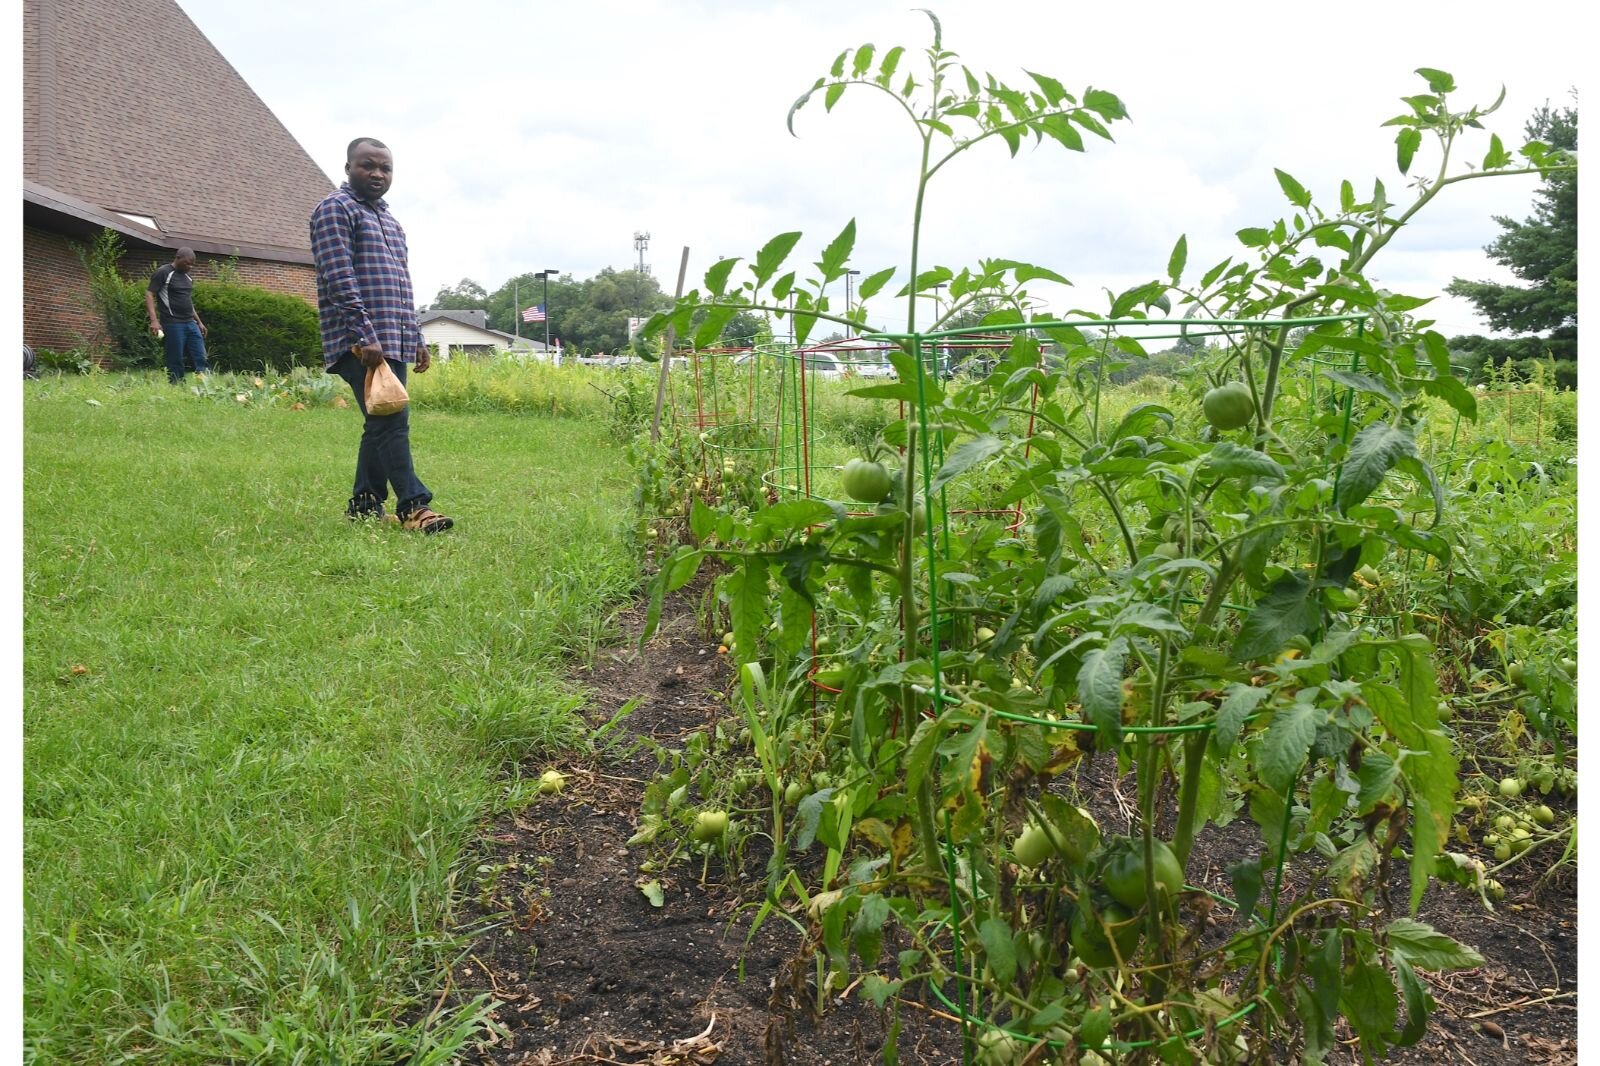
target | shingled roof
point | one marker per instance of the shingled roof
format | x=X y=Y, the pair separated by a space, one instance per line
x=127 y=107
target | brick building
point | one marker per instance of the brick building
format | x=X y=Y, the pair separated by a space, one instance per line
x=133 y=121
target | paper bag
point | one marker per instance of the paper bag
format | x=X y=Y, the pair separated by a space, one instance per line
x=385 y=394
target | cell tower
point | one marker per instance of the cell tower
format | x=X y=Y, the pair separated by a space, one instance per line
x=641 y=241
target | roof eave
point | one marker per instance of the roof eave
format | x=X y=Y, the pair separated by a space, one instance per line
x=85 y=214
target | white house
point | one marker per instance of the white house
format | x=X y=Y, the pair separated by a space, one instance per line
x=468 y=333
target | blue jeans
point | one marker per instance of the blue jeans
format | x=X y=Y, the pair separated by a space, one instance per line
x=384 y=458
x=183 y=339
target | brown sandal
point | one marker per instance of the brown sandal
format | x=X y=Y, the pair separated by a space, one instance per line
x=426 y=521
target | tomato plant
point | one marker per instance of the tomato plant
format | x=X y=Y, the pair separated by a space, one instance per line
x=1181 y=596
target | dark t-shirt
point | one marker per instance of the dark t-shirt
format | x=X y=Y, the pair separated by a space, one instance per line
x=174 y=292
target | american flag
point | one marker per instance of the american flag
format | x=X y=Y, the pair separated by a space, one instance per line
x=534 y=314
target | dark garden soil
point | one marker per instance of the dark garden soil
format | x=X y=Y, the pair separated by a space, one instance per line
x=587 y=971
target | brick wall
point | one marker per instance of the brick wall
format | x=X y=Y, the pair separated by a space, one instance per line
x=55 y=288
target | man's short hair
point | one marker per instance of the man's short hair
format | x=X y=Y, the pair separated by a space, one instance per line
x=350 y=152
x=183 y=253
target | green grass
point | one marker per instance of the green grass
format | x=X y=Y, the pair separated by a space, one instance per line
x=245 y=818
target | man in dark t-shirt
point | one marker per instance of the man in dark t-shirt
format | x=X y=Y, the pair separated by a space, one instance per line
x=173 y=318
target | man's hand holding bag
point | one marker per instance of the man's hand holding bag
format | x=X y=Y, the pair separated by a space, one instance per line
x=385 y=394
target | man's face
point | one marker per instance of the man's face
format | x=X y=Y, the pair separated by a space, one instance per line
x=184 y=263
x=370 y=170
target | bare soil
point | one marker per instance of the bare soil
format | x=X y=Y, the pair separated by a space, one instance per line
x=587 y=971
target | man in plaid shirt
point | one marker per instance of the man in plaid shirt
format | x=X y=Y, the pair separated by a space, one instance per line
x=367 y=316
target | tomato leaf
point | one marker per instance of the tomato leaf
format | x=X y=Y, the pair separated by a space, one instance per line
x=967 y=455
x=837 y=253
x=1293 y=189
x=1286 y=610
x=1373 y=453
x=1439 y=81
x=867 y=929
x=1179 y=256
x=1407 y=141
x=873 y=282
x=747 y=603
x=1237 y=707
x=1100 y=687
x=1000 y=952
x=1288 y=739
x=1418 y=1003
x=1228 y=459
x=1149 y=618
x=1424 y=947
x=1377 y=776
x=717 y=276
x=702 y=520
x=1366 y=383
x=772 y=255
x=1369 y=1002
x=711 y=327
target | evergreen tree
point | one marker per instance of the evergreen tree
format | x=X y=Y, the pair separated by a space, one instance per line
x=1543 y=253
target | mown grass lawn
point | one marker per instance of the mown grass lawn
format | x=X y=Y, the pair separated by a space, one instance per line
x=258 y=737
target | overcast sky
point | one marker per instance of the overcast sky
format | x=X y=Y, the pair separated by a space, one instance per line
x=532 y=135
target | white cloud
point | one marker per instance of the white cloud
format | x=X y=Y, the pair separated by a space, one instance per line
x=529 y=135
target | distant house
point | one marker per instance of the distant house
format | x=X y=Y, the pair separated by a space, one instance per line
x=133 y=121
x=468 y=333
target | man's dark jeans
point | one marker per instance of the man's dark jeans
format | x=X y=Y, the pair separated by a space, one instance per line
x=183 y=339
x=385 y=456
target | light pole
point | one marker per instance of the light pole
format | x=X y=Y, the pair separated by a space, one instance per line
x=849 y=301
x=544 y=276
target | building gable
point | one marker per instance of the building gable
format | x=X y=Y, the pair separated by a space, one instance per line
x=128 y=107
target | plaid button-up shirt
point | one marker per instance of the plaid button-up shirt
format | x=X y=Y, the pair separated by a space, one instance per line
x=363 y=278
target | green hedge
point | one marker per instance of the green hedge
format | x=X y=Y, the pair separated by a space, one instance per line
x=249 y=329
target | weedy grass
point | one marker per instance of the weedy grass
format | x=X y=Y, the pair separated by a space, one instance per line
x=259 y=738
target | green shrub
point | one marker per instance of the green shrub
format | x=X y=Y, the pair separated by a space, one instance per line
x=249 y=329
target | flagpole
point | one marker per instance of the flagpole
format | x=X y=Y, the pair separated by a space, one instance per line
x=516 y=312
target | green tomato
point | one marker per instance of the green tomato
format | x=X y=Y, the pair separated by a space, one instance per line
x=1124 y=872
x=1516 y=673
x=1168 y=550
x=1502 y=850
x=1544 y=815
x=1504 y=823
x=1032 y=846
x=998 y=1048
x=793 y=793
x=709 y=826
x=1510 y=787
x=984 y=635
x=1370 y=575
x=1495 y=889
x=866 y=481
x=552 y=781
x=1229 y=406
x=1089 y=941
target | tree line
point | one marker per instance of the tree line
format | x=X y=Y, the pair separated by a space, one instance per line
x=588 y=316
